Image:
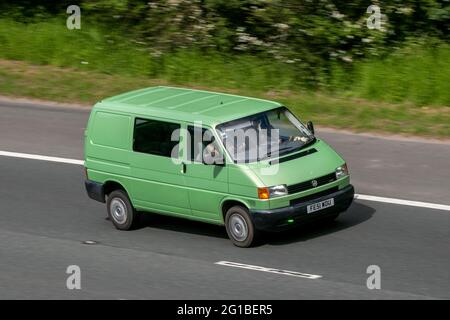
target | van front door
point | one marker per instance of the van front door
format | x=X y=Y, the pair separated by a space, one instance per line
x=207 y=183
x=158 y=179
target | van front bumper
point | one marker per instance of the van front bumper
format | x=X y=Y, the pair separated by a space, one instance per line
x=284 y=218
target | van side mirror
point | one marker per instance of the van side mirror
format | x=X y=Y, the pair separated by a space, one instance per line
x=310 y=126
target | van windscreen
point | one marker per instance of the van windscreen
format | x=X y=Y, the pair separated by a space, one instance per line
x=264 y=135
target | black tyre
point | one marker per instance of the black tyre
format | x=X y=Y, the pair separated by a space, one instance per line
x=240 y=227
x=120 y=211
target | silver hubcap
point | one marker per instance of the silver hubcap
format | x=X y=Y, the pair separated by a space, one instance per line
x=238 y=227
x=118 y=210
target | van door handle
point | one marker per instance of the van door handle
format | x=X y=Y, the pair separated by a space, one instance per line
x=183 y=167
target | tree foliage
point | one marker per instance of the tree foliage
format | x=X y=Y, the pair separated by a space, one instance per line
x=305 y=33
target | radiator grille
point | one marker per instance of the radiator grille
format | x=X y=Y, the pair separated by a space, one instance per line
x=303 y=186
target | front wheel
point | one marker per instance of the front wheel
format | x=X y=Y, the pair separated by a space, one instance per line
x=240 y=228
x=120 y=211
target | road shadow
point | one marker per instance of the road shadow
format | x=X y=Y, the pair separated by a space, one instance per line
x=356 y=214
x=154 y=220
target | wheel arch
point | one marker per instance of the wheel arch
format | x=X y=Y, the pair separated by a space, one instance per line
x=227 y=203
x=111 y=185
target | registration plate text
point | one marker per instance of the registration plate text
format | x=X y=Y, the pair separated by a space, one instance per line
x=320 y=205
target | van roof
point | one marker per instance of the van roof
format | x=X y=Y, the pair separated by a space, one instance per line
x=189 y=105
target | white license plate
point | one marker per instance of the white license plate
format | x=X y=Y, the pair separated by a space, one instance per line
x=320 y=205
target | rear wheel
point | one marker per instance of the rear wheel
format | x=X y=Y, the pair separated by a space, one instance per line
x=120 y=211
x=240 y=227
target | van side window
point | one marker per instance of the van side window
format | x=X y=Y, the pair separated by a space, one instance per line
x=154 y=137
x=206 y=149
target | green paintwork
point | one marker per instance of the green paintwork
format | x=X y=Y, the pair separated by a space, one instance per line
x=190 y=105
x=157 y=184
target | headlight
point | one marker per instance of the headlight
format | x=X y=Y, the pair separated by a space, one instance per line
x=272 y=192
x=341 y=171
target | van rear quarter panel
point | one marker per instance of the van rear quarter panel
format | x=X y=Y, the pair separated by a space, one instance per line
x=108 y=147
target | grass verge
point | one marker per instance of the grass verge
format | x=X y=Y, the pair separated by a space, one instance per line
x=417 y=72
x=21 y=79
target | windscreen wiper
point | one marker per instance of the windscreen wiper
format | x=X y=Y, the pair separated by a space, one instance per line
x=307 y=144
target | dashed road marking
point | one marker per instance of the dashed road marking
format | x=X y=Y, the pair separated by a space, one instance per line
x=270 y=270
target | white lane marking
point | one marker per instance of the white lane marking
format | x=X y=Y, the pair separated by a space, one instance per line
x=41 y=158
x=403 y=202
x=357 y=196
x=270 y=270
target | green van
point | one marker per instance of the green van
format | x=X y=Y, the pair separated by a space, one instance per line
x=245 y=163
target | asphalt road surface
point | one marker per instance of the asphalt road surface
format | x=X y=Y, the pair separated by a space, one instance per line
x=45 y=216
